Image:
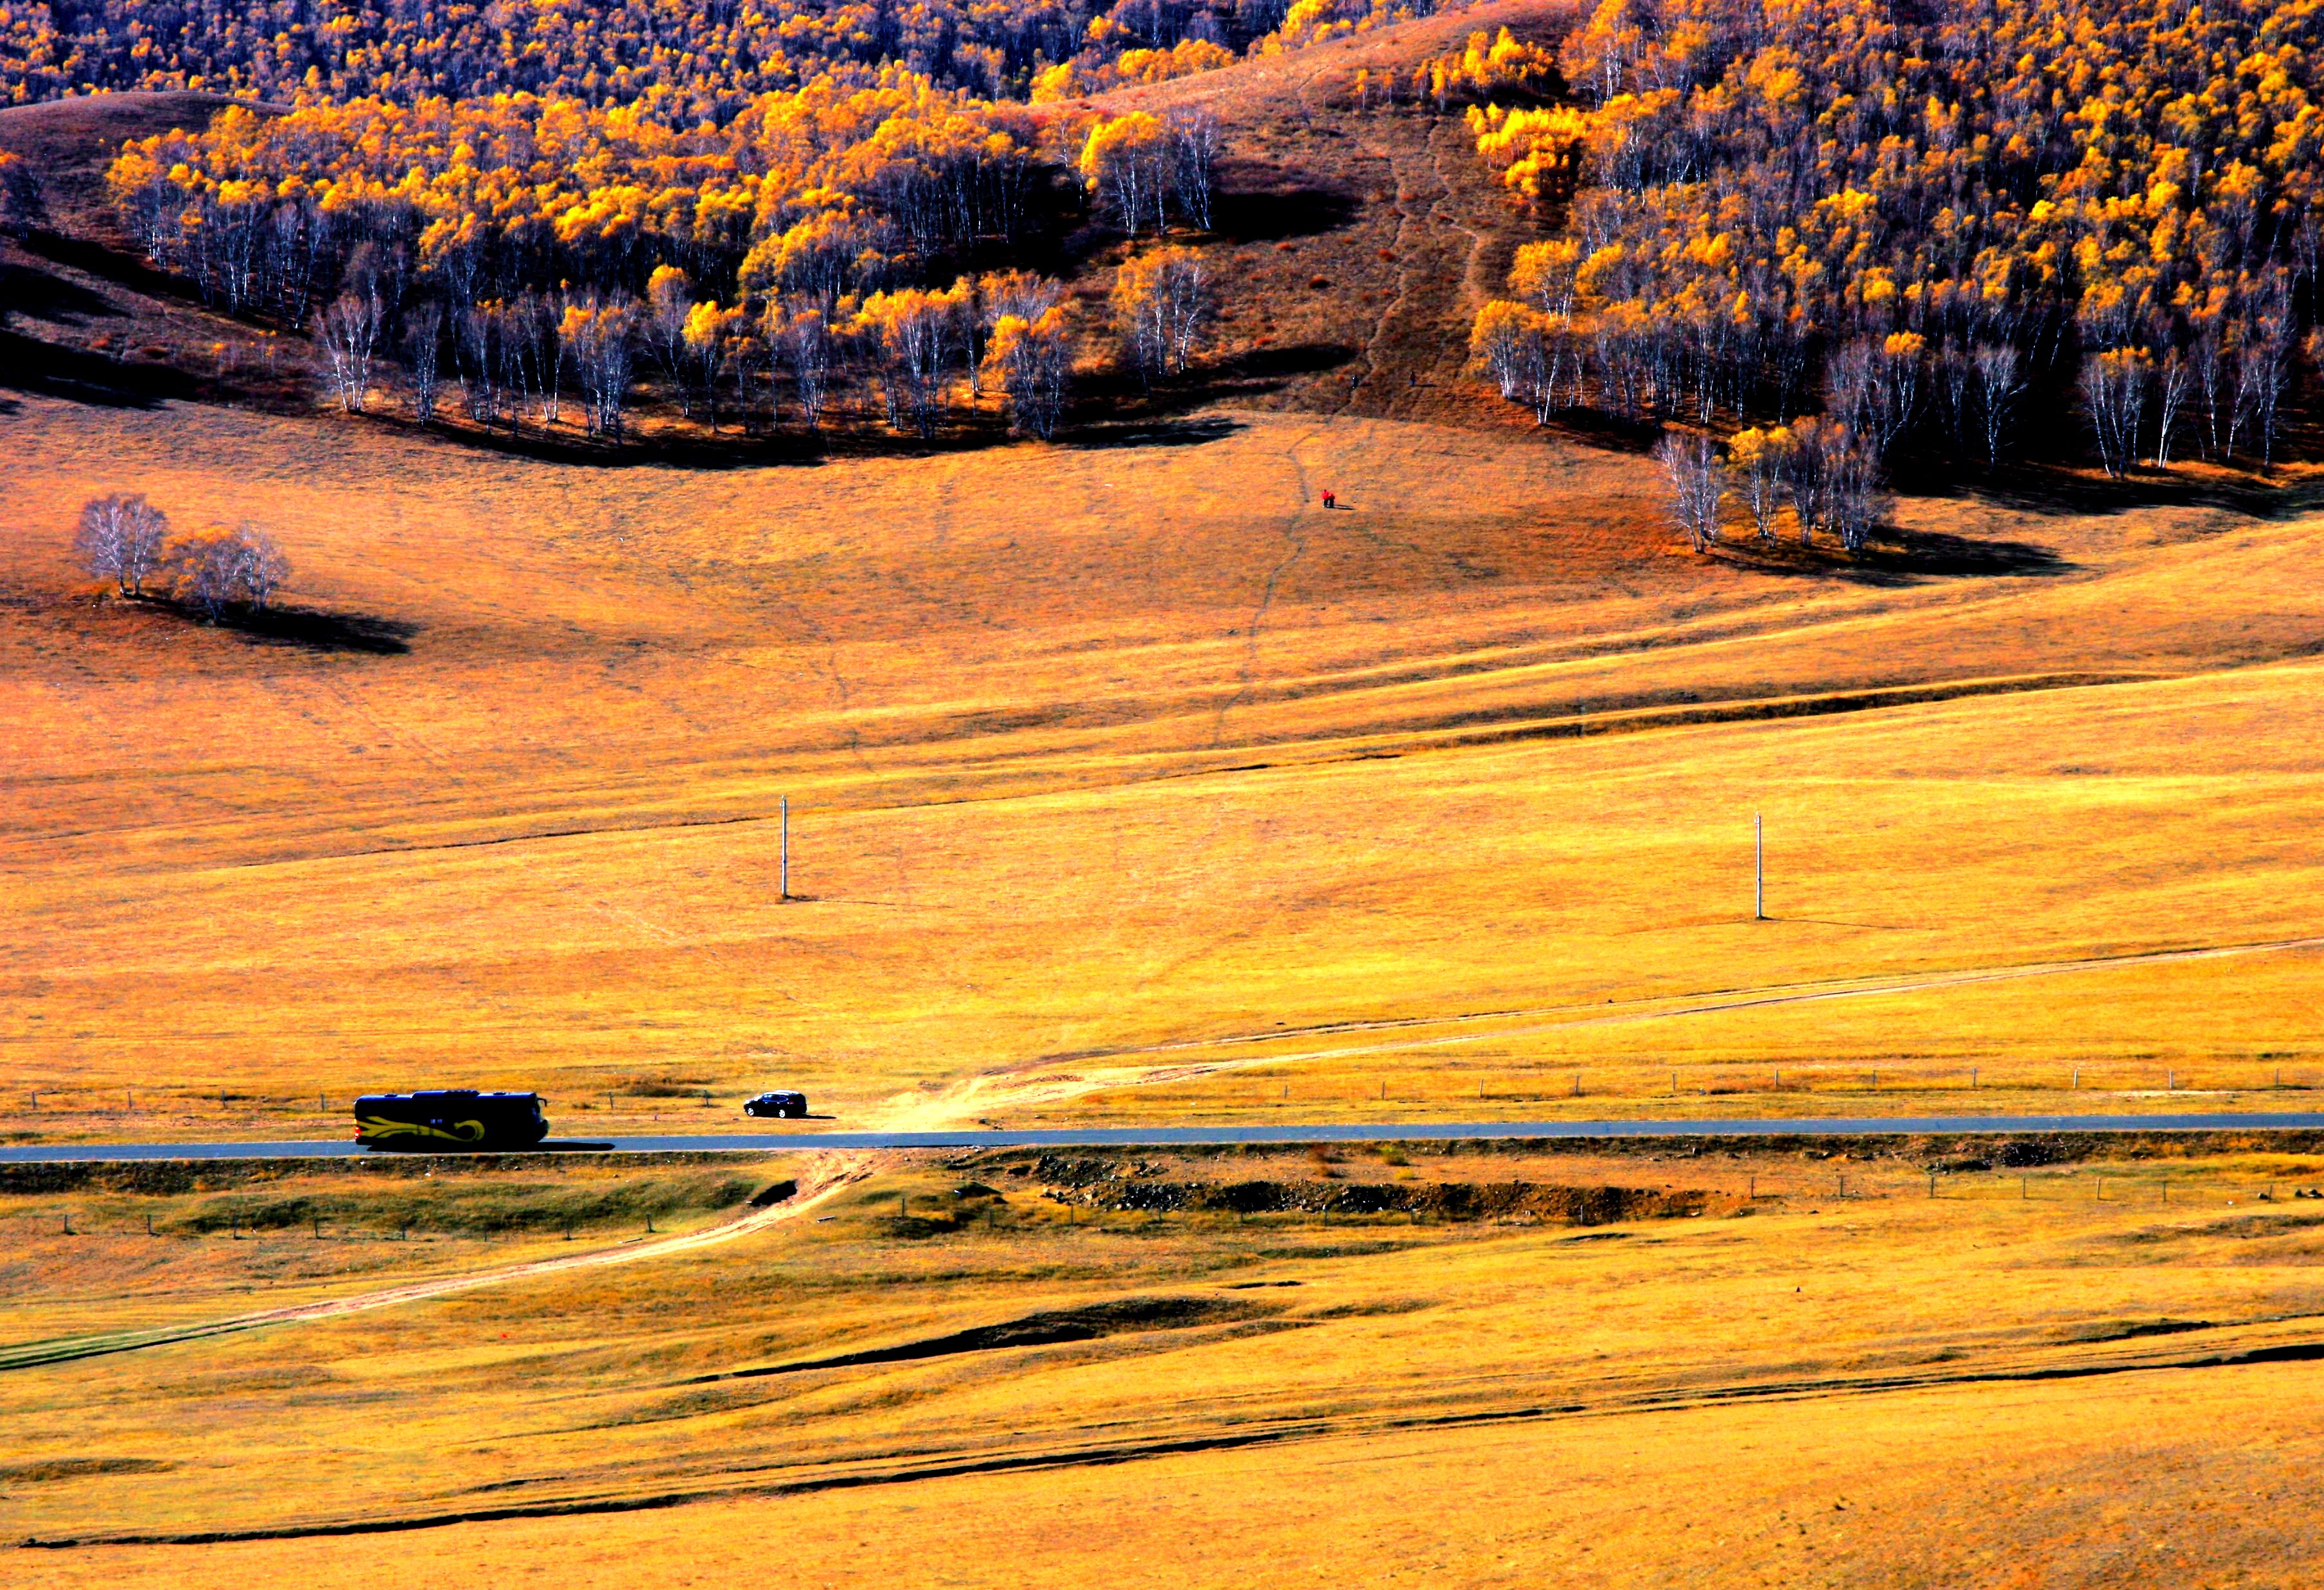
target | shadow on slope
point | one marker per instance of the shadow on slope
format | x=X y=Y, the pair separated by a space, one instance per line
x=312 y=630
x=1048 y=1327
x=307 y=629
x=45 y=369
x=1902 y=557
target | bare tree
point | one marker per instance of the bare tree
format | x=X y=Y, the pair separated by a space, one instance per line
x=750 y=365
x=1999 y=385
x=598 y=338
x=802 y=337
x=530 y=353
x=1850 y=379
x=2264 y=368
x=220 y=569
x=1857 y=503
x=1806 y=465
x=2174 y=380
x=348 y=335
x=423 y=356
x=2215 y=370
x=476 y=336
x=207 y=571
x=2115 y=385
x=259 y=567
x=1955 y=379
x=1195 y=147
x=1875 y=387
x=1698 y=484
x=120 y=539
x=1832 y=475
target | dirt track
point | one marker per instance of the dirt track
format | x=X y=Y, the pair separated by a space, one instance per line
x=829 y=1173
x=975 y=1097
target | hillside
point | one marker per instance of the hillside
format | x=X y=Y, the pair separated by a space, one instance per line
x=1352 y=250
x=535 y=719
x=1404 y=229
x=1120 y=781
x=536 y=716
x=975 y=1384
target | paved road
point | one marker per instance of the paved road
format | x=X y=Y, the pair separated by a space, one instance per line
x=1174 y=1136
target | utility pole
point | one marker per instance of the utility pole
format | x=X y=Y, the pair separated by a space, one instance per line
x=786 y=884
x=1758 y=870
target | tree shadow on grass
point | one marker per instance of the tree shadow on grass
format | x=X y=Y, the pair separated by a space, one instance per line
x=310 y=629
x=1594 y=428
x=305 y=629
x=1900 y=557
x=110 y=264
x=43 y=369
x=1259 y=205
x=2055 y=490
x=44 y=296
x=734 y=450
x=1153 y=433
x=1114 y=410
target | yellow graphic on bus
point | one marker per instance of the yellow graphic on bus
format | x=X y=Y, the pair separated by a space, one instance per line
x=373 y=1128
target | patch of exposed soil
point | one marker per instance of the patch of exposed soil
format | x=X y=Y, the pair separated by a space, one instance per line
x=1486 y=1200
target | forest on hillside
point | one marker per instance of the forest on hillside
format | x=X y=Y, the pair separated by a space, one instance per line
x=1933 y=229
x=765 y=207
x=519 y=249
x=682 y=61
x=1834 y=237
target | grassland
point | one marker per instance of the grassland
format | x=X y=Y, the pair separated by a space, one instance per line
x=1881 y=1386
x=1121 y=762
x=1403 y=763
x=1127 y=785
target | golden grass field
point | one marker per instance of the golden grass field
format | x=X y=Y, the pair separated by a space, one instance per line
x=1104 y=753
x=2029 y=1378
x=1093 y=750
x=1128 y=786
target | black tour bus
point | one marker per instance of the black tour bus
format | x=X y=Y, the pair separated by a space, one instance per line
x=440 y=1119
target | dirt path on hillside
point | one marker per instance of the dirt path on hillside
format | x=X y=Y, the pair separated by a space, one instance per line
x=1055 y=1079
x=829 y=1174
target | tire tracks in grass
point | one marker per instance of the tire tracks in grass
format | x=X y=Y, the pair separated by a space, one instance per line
x=2231 y=1353
x=1298 y=547
x=1058 y=1085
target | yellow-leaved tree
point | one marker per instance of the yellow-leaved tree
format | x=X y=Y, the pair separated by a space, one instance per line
x=1032 y=362
x=1164 y=301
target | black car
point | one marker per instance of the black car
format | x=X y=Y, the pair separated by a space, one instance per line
x=781 y=1105
x=435 y=1120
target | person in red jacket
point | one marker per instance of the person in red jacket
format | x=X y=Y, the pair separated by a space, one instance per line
x=1331 y=500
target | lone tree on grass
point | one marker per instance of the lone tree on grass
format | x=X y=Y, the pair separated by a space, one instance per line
x=126 y=540
x=120 y=539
